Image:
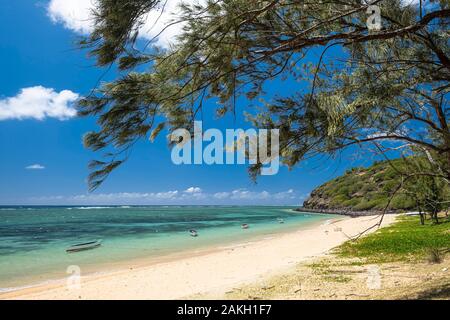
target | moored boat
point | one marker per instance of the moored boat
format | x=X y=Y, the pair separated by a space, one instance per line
x=245 y=226
x=193 y=233
x=84 y=246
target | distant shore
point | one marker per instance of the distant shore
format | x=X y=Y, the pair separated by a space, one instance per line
x=212 y=273
x=345 y=212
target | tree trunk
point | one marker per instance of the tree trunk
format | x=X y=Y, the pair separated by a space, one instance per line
x=435 y=216
x=422 y=217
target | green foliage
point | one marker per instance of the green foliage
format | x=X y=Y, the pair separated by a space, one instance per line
x=116 y=27
x=404 y=240
x=430 y=192
x=403 y=202
x=366 y=88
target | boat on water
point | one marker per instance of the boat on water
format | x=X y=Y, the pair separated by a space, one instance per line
x=193 y=233
x=245 y=226
x=280 y=220
x=84 y=246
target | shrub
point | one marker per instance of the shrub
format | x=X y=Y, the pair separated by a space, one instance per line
x=435 y=255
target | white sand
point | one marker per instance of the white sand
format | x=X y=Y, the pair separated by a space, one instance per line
x=213 y=273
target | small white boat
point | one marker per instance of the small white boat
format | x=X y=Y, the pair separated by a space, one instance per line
x=245 y=226
x=84 y=246
x=280 y=220
x=412 y=214
x=193 y=233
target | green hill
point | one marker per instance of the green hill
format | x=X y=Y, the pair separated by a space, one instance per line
x=362 y=189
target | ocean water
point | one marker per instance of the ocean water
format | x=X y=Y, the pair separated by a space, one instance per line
x=33 y=240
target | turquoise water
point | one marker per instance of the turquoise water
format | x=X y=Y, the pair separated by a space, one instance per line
x=33 y=240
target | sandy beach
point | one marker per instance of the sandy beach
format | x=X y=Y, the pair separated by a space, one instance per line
x=212 y=273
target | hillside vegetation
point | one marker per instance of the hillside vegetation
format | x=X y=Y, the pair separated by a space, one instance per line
x=363 y=189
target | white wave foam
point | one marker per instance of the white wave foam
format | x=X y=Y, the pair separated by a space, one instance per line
x=90 y=208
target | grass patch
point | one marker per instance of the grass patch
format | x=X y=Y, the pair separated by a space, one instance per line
x=321 y=268
x=338 y=279
x=325 y=270
x=405 y=240
x=435 y=255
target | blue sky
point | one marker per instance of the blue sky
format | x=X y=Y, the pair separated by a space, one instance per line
x=42 y=158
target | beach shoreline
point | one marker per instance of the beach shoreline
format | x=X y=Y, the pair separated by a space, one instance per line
x=209 y=271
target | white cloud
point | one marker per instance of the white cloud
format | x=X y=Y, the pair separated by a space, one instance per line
x=193 y=190
x=76 y=15
x=410 y=2
x=244 y=194
x=73 y=14
x=39 y=103
x=124 y=196
x=191 y=196
x=290 y=194
x=35 y=167
x=222 y=195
